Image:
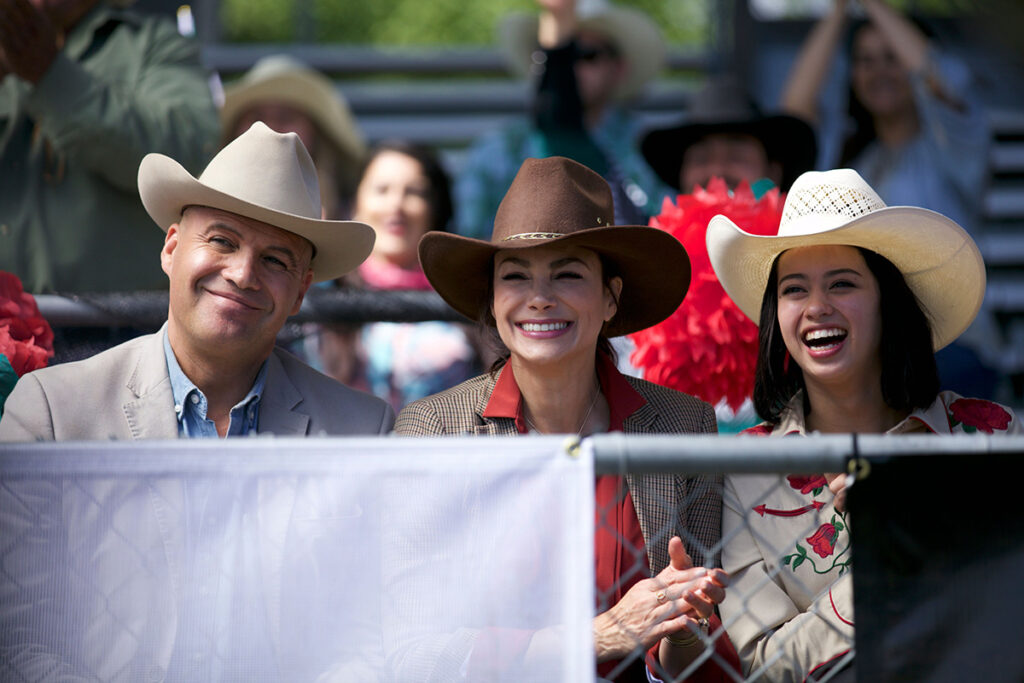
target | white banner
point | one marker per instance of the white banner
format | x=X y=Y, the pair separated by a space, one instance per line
x=297 y=560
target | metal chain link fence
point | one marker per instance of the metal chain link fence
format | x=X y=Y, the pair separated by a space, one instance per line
x=167 y=557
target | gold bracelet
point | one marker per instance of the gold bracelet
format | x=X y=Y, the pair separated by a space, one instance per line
x=691 y=639
x=686 y=641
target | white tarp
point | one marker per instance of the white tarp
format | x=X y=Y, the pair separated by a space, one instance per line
x=296 y=560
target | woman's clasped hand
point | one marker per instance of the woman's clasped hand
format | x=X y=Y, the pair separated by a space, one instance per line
x=675 y=601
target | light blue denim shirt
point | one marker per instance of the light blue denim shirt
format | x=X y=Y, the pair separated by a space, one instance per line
x=190 y=403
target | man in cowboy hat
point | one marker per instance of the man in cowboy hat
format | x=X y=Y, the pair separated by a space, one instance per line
x=244 y=242
x=590 y=57
x=726 y=135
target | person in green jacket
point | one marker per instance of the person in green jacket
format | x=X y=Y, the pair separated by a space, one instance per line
x=86 y=90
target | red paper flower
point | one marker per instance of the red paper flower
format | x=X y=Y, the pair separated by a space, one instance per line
x=707 y=348
x=25 y=336
x=823 y=540
x=977 y=414
x=806 y=484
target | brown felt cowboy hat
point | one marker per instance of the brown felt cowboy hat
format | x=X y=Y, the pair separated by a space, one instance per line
x=724 y=106
x=265 y=176
x=556 y=200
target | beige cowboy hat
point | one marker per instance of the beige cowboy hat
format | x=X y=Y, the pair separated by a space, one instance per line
x=635 y=35
x=265 y=176
x=938 y=259
x=284 y=79
x=557 y=200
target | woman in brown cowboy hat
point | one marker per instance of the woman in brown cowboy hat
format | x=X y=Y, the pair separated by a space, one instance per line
x=555 y=280
x=853 y=298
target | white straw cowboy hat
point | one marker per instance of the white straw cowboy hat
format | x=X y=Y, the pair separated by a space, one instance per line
x=265 y=176
x=635 y=35
x=938 y=259
x=284 y=79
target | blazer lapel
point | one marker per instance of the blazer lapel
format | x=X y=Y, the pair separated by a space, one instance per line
x=490 y=426
x=277 y=407
x=150 y=415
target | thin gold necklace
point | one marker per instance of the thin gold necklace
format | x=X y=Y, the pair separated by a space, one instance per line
x=579 y=432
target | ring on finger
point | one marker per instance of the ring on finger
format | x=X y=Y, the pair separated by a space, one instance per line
x=660 y=595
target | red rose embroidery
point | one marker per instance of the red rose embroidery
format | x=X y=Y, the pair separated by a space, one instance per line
x=823 y=540
x=806 y=484
x=976 y=414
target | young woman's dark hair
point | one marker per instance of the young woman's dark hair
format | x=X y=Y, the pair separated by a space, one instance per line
x=486 y=320
x=440 y=197
x=910 y=378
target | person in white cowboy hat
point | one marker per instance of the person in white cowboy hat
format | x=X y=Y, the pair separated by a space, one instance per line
x=590 y=58
x=290 y=97
x=193 y=578
x=243 y=243
x=853 y=298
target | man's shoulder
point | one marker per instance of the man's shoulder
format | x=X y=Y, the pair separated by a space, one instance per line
x=85 y=372
x=334 y=407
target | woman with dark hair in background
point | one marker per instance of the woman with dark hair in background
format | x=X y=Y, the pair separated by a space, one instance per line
x=403 y=193
x=853 y=297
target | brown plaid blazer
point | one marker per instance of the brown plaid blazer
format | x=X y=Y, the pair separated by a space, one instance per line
x=689 y=506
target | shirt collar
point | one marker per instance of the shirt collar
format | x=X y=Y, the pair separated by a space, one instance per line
x=623 y=400
x=932 y=419
x=182 y=389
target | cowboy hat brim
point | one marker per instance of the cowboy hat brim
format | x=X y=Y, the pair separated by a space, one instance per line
x=653 y=265
x=938 y=259
x=636 y=36
x=786 y=139
x=166 y=188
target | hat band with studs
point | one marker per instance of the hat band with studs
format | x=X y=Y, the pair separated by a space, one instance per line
x=534 y=236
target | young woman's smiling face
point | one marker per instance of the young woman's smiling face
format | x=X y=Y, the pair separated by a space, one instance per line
x=830 y=314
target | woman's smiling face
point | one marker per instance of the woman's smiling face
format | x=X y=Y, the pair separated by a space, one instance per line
x=551 y=302
x=829 y=312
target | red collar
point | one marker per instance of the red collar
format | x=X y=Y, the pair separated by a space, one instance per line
x=623 y=400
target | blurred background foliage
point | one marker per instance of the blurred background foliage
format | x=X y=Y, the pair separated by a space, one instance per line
x=405 y=23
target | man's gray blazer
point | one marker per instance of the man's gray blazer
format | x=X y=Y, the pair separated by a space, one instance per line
x=125 y=393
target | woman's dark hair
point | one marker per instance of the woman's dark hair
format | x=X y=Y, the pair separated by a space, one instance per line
x=440 y=197
x=861 y=124
x=910 y=378
x=489 y=325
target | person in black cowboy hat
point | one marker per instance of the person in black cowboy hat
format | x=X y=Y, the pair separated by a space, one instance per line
x=726 y=134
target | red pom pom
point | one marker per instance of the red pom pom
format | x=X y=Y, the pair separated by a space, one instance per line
x=25 y=336
x=707 y=348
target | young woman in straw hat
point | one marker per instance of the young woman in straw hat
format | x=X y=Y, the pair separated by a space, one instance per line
x=555 y=280
x=853 y=298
